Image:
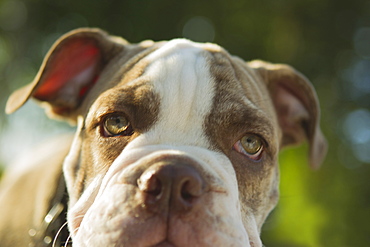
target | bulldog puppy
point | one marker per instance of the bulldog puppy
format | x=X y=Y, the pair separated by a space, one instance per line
x=176 y=144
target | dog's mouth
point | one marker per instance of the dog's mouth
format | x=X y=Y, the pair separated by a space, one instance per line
x=166 y=228
x=164 y=244
x=166 y=201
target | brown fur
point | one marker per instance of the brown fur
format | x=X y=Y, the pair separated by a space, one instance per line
x=273 y=101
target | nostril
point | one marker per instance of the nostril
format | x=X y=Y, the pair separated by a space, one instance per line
x=187 y=190
x=174 y=185
x=185 y=193
x=150 y=184
x=191 y=189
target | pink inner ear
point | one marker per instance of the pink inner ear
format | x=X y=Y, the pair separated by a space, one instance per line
x=76 y=62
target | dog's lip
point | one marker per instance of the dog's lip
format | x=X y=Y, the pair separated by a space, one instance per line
x=164 y=244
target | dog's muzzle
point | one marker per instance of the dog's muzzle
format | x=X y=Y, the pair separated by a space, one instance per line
x=161 y=198
x=171 y=183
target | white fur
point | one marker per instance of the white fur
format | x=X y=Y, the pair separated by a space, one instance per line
x=223 y=209
x=180 y=75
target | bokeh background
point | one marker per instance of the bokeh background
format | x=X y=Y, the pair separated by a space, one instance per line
x=327 y=40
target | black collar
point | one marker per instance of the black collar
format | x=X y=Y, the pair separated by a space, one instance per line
x=44 y=234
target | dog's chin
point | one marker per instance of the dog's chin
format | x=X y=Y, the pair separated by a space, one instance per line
x=139 y=228
x=164 y=244
x=156 y=233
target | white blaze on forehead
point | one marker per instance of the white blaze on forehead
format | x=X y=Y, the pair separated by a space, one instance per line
x=180 y=75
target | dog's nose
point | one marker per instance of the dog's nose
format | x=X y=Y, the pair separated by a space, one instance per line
x=178 y=185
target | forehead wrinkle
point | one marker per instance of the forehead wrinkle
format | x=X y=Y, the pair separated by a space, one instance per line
x=237 y=107
x=255 y=93
x=253 y=120
x=131 y=99
x=180 y=75
x=238 y=116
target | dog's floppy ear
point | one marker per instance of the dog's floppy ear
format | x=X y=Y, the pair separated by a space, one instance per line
x=297 y=107
x=69 y=70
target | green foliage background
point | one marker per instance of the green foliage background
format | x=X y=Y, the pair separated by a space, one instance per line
x=327 y=40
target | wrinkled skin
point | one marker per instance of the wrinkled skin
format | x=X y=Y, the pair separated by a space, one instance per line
x=177 y=175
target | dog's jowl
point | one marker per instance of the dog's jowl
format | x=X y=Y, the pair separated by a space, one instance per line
x=176 y=144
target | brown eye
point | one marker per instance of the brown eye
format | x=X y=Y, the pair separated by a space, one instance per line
x=115 y=125
x=250 y=145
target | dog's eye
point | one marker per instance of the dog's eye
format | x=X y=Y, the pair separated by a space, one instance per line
x=116 y=125
x=250 y=145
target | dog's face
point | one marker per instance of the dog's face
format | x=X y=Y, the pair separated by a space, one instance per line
x=177 y=142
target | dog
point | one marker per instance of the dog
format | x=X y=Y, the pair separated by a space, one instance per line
x=176 y=144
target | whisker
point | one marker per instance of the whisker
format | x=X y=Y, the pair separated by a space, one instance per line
x=57 y=234
x=69 y=237
x=60 y=230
